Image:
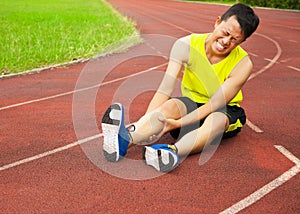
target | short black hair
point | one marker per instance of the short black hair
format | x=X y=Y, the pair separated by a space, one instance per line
x=245 y=16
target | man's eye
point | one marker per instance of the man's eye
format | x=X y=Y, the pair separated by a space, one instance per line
x=235 y=41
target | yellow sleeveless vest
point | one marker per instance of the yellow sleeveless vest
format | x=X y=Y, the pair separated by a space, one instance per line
x=201 y=79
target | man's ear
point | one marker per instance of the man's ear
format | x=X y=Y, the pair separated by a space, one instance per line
x=218 y=21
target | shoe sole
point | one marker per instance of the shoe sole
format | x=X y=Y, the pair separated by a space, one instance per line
x=161 y=159
x=111 y=123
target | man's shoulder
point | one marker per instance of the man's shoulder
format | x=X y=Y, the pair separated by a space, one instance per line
x=193 y=36
x=239 y=52
x=199 y=35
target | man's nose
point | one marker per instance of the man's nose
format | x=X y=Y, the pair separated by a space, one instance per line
x=227 y=40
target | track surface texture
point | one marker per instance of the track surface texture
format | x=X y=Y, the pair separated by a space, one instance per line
x=51 y=159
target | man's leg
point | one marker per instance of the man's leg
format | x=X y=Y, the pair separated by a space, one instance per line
x=117 y=138
x=165 y=158
x=193 y=142
x=148 y=127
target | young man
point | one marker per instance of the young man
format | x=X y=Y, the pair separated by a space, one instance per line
x=215 y=69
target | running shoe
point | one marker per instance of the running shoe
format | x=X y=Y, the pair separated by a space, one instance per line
x=162 y=157
x=116 y=136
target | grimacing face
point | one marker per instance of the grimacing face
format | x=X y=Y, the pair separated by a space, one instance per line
x=226 y=36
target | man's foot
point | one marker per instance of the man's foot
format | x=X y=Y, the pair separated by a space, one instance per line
x=116 y=136
x=162 y=157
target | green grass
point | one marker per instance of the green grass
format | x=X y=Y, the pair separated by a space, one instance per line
x=37 y=33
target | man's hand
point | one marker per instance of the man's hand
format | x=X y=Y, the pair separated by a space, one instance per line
x=169 y=124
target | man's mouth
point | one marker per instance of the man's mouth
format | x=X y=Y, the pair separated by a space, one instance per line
x=220 y=47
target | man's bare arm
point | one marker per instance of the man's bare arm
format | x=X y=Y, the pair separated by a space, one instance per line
x=178 y=56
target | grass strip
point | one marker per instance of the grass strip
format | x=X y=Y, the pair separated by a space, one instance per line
x=37 y=33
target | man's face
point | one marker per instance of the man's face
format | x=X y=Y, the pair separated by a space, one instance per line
x=226 y=35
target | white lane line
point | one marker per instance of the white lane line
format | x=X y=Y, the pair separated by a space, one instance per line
x=39 y=156
x=253 y=54
x=288 y=154
x=79 y=90
x=272 y=61
x=294 y=41
x=260 y=193
x=253 y=127
x=294 y=68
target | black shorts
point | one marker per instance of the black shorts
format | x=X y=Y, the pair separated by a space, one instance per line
x=235 y=114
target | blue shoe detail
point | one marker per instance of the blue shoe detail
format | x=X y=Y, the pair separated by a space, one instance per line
x=162 y=157
x=116 y=136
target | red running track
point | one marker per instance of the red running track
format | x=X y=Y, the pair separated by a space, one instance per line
x=45 y=116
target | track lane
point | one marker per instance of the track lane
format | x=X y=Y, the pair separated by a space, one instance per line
x=207 y=177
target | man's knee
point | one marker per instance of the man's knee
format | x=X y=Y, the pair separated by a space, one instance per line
x=173 y=108
x=216 y=122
